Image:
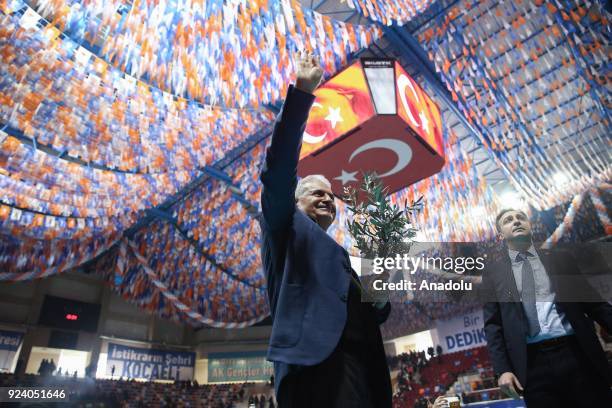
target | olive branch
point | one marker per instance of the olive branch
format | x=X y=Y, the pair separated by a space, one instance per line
x=379 y=227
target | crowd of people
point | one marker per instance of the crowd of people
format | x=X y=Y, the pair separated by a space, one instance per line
x=409 y=369
x=419 y=376
x=260 y=401
x=420 y=379
x=101 y=393
x=47 y=367
x=413 y=317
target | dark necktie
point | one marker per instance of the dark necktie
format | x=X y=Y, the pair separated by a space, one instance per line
x=528 y=294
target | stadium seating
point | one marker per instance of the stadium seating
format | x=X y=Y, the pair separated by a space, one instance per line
x=135 y=394
x=420 y=380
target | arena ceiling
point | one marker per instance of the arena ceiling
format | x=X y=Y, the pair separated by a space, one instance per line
x=133 y=132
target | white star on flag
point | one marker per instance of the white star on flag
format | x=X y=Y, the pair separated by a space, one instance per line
x=334 y=116
x=346 y=177
x=424 y=121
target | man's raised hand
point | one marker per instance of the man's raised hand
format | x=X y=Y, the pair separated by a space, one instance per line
x=309 y=71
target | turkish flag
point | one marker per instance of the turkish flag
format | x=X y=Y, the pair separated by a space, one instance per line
x=347 y=135
x=386 y=145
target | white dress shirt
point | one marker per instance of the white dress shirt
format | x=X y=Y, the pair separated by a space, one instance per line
x=553 y=323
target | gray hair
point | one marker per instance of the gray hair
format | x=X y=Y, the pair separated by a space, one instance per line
x=302 y=184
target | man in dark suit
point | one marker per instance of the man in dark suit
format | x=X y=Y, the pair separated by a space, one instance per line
x=539 y=343
x=325 y=343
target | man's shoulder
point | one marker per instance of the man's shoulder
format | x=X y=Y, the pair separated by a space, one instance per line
x=558 y=260
x=557 y=254
x=496 y=266
x=298 y=222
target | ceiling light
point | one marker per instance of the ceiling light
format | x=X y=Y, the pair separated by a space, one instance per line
x=560 y=178
x=511 y=199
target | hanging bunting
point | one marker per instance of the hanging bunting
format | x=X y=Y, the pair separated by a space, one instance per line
x=386 y=12
x=136 y=99
x=509 y=67
x=234 y=54
x=62 y=96
x=602 y=211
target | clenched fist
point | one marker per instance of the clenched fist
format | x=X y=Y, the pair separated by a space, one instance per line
x=309 y=71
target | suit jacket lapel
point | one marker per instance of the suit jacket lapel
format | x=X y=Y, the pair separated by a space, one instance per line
x=512 y=290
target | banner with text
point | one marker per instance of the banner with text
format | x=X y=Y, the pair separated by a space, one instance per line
x=9 y=344
x=462 y=332
x=244 y=366
x=133 y=362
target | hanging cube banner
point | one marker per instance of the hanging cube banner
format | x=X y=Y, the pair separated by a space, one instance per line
x=372 y=117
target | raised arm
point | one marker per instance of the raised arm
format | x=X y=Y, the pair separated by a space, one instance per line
x=279 y=176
